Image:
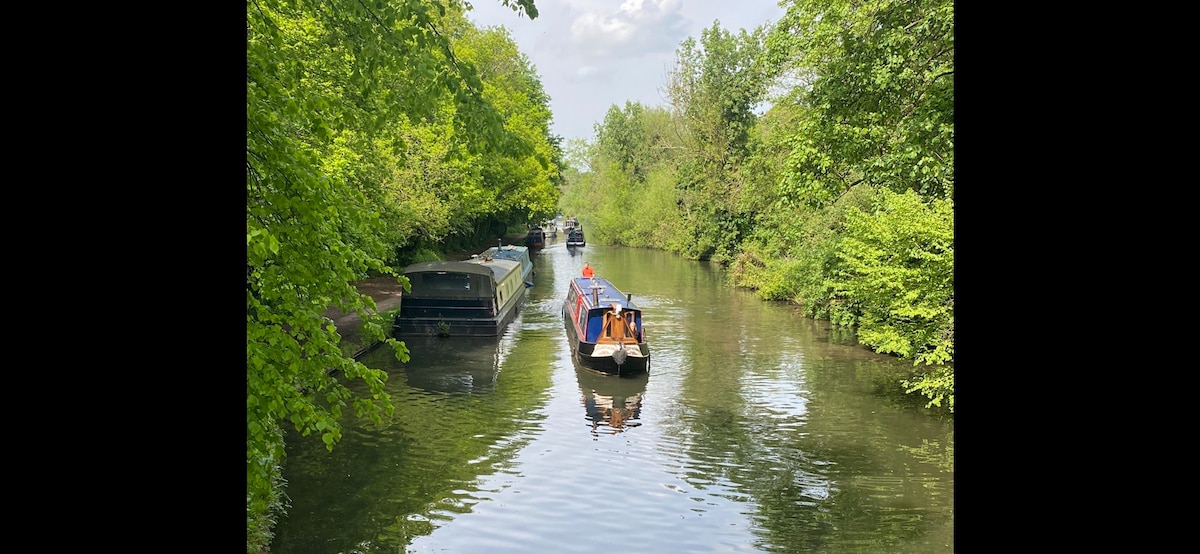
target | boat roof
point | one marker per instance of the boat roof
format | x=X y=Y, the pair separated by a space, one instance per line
x=498 y=268
x=506 y=249
x=609 y=293
x=510 y=252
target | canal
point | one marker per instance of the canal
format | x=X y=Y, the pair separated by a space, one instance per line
x=755 y=430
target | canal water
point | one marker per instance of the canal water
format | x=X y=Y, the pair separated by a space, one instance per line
x=755 y=430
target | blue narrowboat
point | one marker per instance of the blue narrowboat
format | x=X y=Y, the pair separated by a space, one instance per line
x=512 y=252
x=478 y=297
x=604 y=328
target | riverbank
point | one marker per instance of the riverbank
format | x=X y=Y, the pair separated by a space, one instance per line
x=385 y=291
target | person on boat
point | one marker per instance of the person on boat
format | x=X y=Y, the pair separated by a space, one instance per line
x=587 y=270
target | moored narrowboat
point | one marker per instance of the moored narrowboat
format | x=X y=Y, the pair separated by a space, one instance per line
x=604 y=328
x=519 y=254
x=478 y=297
x=535 y=238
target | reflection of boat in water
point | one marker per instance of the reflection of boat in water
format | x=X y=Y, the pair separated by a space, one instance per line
x=611 y=401
x=455 y=364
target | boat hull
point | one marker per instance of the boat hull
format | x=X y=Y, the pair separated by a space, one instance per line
x=458 y=326
x=637 y=358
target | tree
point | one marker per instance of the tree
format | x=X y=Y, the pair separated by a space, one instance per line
x=330 y=87
x=882 y=99
x=861 y=217
x=524 y=187
x=714 y=88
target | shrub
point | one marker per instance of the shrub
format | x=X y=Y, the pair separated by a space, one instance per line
x=897 y=266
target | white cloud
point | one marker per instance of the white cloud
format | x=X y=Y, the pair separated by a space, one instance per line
x=637 y=28
x=593 y=54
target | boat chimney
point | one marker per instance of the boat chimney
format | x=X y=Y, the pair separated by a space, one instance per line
x=629 y=297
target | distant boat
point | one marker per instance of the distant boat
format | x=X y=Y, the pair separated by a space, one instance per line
x=478 y=297
x=604 y=328
x=575 y=238
x=536 y=238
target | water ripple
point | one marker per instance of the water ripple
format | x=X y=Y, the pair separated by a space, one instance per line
x=755 y=431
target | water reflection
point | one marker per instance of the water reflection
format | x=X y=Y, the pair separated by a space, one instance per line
x=611 y=403
x=456 y=364
x=760 y=431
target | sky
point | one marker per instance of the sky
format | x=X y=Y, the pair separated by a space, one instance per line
x=593 y=54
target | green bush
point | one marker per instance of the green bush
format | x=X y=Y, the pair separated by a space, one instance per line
x=264 y=504
x=896 y=268
x=936 y=385
x=426 y=255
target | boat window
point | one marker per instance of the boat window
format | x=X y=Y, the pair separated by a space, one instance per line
x=446 y=285
x=445 y=281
